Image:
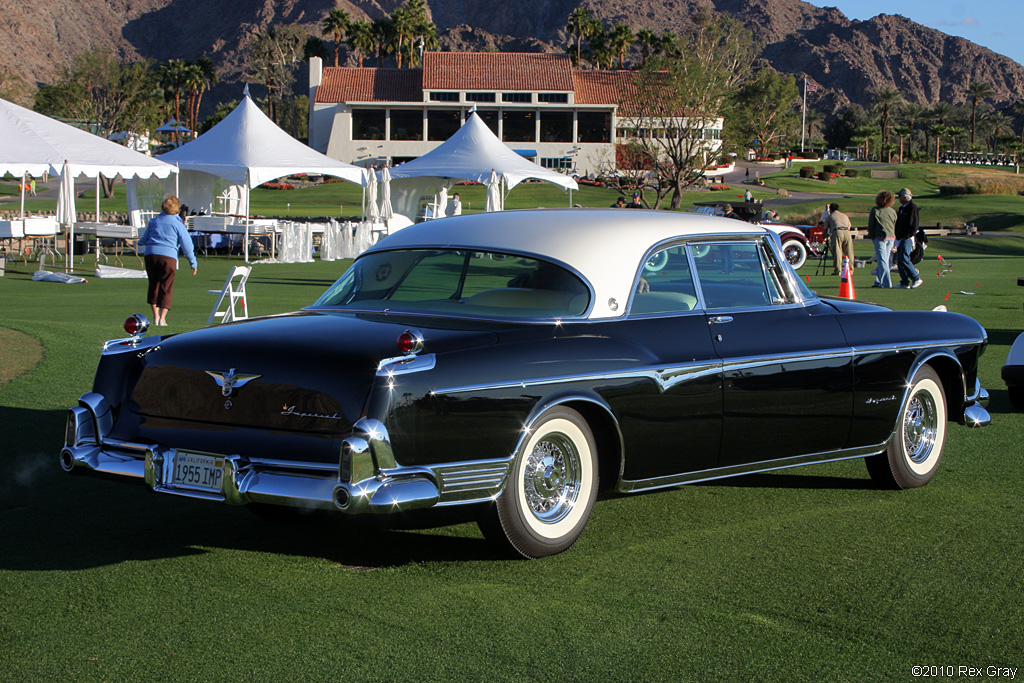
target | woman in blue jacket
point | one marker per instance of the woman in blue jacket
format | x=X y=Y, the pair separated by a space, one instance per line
x=165 y=236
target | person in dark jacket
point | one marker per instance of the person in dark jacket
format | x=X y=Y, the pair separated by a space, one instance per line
x=165 y=236
x=907 y=224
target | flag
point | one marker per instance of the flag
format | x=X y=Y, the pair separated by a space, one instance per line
x=810 y=86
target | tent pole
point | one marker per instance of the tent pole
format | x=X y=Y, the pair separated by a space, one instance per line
x=248 y=200
x=97 y=197
x=24 y=175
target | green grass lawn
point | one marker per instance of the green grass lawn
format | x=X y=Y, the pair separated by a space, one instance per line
x=809 y=574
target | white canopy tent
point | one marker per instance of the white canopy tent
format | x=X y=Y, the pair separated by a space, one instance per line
x=472 y=153
x=34 y=144
x=246 y=149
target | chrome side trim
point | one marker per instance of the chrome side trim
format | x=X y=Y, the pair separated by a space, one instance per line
x=460 y=482
x=129 y=344
x=103 y=418
x=627 y=486
x=402 y=365
x=294 y=465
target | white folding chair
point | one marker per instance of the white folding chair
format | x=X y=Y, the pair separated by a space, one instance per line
x=232 y=293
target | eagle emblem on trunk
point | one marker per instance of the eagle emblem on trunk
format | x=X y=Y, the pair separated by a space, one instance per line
x=230 y=380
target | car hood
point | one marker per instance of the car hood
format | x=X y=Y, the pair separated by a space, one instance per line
x=309 y=372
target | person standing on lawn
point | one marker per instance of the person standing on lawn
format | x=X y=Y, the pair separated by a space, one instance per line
x=907 y=223
x=840 y=237
x=165 y=236
x=882 y=233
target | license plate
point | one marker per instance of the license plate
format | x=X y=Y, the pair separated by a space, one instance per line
x=195 y=471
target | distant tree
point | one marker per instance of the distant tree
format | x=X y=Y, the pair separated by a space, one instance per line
x=938 y=130
x=271 y=59
x=222 y=110
x=599 y=49
x=977 y=90
x=912 y=114
x=335 y=23
x=884 y=101
x=620 y=39
x=314 y=47
x=955 y=133
x=12 y=87
x=384 y=38
x=200 y=76
x=360 y=38
x=868 y=132
x=998 y=126
x=765 y=109
x=649 y=44
x=112 y=95
x=172 y=76
x=675 y=100
x=902 y=132
x=844 y=125
x=580 y=26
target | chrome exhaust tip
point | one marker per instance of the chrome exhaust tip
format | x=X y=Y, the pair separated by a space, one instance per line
x=67 y=460
x=342 y=498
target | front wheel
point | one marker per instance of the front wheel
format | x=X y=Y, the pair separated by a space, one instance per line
x=550 y=491
x=795 y=251
x=916 y=448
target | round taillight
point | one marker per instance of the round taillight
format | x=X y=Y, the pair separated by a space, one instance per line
x=136 y=324
x=410 y=341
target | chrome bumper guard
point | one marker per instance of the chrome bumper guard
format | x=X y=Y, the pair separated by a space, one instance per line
x=366 y=480
x=975 y=414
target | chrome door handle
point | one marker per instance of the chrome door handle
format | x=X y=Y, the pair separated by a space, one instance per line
x=718 y=319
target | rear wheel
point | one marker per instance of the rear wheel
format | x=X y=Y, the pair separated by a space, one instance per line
x=550 y=490
x=916 y=448
x=795 y=251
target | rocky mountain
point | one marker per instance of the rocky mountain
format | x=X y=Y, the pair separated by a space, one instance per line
x=847 y=58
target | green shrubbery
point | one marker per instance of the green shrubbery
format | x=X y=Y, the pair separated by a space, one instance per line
x=952 y=186
x=806 y=171
x=852 y=173
x=833 y=168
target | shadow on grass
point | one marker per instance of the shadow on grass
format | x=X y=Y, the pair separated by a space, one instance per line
x=53 y=521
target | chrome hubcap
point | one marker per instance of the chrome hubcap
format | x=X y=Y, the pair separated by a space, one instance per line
x=551 y=478
x=920 y=426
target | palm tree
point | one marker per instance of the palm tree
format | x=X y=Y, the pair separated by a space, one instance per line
x=335 y=23
x=955 y=132
x=383 y=38
x=360 y=38
x=405 y=28
x=902 y=132
x=172 y=76
x=977 y=90
x=620 y=39
x=867 y=132
x=1018 y=108
x=579 y=26
x=998 y=125
x=209 y=74
x=912 y=114
x=884 y=100
x=937 y=130
x=649 y=44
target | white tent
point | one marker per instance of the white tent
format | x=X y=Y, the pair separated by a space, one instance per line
x=470 y=154
x=246 y=149
x=34 y=144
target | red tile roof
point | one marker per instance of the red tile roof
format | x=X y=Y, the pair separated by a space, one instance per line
x=355 y=84
x=497 y=71
x=604 y=87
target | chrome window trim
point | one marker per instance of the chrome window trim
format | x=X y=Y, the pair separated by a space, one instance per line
x=403 y=365
x=634 y=486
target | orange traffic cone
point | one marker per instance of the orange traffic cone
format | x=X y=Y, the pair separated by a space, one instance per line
x=846 y=281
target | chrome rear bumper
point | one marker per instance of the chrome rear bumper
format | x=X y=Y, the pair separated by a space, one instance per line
x=366 y=478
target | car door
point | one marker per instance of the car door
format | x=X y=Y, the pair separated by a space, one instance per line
x=786 y=368
x=671 y=421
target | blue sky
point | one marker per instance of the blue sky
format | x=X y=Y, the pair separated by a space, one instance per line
x=995 y=24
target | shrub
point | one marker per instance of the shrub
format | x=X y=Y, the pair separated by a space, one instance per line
x=852 y=173
x=806 y=171
x=832 y=168
x=824 y=175
x=277 y=186
x=953 y=186
x=717 y=188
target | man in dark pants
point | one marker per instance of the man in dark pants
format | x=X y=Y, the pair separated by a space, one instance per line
x=907 y=220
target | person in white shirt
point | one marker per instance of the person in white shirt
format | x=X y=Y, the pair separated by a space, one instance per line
x=454 y=206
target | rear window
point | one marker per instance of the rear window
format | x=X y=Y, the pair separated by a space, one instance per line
x=459 y=282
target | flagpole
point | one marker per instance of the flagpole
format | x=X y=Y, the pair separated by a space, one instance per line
x=803 y=117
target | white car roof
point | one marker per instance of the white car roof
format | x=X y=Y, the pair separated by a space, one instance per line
x=605 y=246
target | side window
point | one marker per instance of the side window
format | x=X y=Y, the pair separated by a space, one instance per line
x=734 y=275
x=666 y=284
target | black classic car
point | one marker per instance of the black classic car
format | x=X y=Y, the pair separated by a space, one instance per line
x=522 y=361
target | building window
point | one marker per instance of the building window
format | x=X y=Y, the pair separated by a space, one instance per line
x=406 y=124
x=517 y=97
x=556 y=163
x=556 y=97
x=489 y=117
x=444 y=97
x=480 y=97
x=519 y=126
x=368 y=124
x=442 y=123
x=593 y=126
x=555 y=126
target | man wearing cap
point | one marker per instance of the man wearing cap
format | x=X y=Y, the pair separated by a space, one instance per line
x=620 y=203
x=840 y=237
x=635 y=204
x=907 y=220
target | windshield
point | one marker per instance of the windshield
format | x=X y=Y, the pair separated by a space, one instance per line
x=459 y=282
